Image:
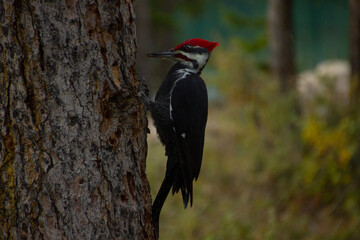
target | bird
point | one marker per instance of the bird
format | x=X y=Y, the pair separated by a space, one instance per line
x=179 y=113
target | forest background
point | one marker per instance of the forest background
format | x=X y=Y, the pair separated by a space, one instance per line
x=278 y=164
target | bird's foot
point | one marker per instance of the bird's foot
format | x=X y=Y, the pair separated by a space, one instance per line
x=144 y=92
x=144 y=87
x=145 y=99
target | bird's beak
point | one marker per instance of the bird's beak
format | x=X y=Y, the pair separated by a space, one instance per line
x=165 y=54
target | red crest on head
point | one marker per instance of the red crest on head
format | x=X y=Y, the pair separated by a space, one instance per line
x=198 y=42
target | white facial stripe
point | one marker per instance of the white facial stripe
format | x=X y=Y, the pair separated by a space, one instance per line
x=201 y=59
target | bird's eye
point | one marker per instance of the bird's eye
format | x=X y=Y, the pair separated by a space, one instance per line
x=186 y=47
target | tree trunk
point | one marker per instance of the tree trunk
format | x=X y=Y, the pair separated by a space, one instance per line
x=72 y=137
x=355 y=51
x=281 y=41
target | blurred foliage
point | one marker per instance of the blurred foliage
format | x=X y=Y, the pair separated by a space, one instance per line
x=321 y=26
x=161 y=15
x=240 y=21
x=163 y=12
x=329 y=172
x=193 y=7
x=268 y=171
x=257 y=42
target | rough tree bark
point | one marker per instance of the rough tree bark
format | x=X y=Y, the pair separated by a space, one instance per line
x=281 y=41
x=72 y=127
x=355 y=51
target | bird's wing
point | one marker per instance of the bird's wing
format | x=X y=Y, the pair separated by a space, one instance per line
x=189 y=109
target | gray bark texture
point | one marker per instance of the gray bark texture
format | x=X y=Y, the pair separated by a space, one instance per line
x=72 y=127
x=355 y=51
x=281 y=41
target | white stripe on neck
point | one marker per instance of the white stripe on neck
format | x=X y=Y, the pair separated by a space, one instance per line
x=183 y=73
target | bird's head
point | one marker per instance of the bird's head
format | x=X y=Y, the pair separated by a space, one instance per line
x=193 y=53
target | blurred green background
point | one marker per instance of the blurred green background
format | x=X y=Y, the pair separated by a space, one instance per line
x=277 y=165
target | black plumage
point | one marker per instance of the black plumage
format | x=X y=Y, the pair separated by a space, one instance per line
x=180 y=113
x=181 y=130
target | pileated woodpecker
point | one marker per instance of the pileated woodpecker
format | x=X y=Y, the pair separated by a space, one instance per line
x=180 y=113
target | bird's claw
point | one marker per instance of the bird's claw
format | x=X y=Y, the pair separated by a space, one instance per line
x=144 y=92
x=145 y=99
x=144 y=87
